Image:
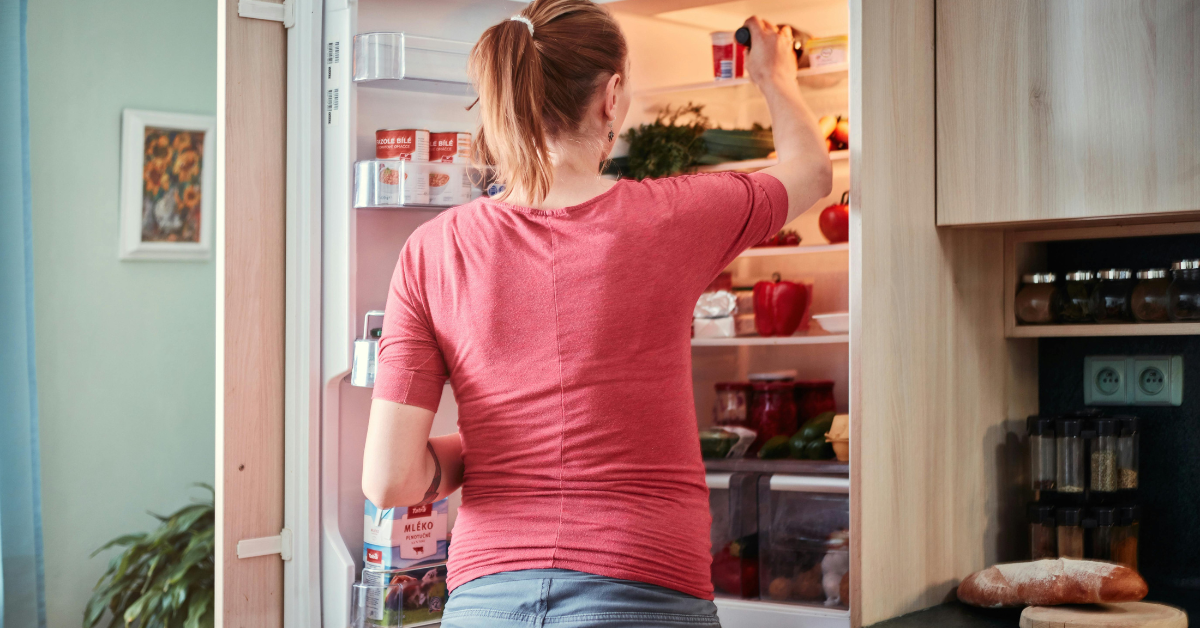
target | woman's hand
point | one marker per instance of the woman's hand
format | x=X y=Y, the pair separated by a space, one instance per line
x=398 y=467
x=771 y=60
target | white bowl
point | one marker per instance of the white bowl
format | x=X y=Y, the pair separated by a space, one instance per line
x=837 y=323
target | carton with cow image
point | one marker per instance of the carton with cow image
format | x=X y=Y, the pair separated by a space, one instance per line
x=400 y=538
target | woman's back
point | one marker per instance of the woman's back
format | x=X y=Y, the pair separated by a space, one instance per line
x=565 y=337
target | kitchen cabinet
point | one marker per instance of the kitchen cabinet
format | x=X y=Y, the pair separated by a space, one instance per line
x=1062 y=109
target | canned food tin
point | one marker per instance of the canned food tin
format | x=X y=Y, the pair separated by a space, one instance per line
x=418 y=595
x=402 y=144
x=450 y=148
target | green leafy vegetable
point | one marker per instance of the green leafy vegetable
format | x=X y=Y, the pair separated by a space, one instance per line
x=671 y=145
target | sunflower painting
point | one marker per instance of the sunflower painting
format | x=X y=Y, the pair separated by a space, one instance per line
x=165 y=209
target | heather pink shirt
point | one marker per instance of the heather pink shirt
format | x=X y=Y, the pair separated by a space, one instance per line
x=565 y=335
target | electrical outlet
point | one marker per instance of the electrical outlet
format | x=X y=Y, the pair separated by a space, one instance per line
x=1104 y=381
x=1143 y=380
x=1157 y=380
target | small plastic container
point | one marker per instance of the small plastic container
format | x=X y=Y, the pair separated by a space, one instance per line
x=733 y=504
x=1069 y=446
x=1110 y=298
x=732 y=405
x=1102 y=457
x=1125 y=536
x=1068 y=523
x=1149 y=299
x=827 y=51
x=813 y=398
x=772 y=412
x=1038 y=301
x=804 y=540
x=1100 y=528
x=1042 y=454
x=1043 y=539
x=1077 y=297
x=1127 y=454
x=1183 y=295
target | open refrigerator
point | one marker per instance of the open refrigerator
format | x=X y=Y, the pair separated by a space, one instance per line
x=343 y=245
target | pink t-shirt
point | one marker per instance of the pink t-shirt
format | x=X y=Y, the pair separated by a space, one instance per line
x=566 y=337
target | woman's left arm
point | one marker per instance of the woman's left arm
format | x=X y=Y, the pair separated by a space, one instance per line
x=402 y=465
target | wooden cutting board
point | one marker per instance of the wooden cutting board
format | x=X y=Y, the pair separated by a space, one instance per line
x=1118 y=615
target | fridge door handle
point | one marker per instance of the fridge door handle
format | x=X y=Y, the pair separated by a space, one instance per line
x=267 y=545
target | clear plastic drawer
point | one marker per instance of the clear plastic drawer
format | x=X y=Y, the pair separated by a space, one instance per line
x=804 y=540
x=733 y=503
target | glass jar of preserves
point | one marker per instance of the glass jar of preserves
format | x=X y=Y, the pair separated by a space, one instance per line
x=1042 y=538
x=1183 y=295
x=1103 y=457
x=1110 y=298
x=1041 y=453
x=772 y=412
x=1100 y=524
x=1149 y=300
x=1038 y=300
x=813 y=398
x=1077 y=297
x=1068 y=522
x=1068 y=437
x=1127 y=454
x=731 y=406
x=1125 y=536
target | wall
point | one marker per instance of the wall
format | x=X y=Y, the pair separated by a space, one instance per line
x=124 y=349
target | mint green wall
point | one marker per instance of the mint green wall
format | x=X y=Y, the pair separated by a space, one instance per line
x=125 y=350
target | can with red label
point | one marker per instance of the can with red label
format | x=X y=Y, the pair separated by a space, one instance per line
x=450 y=148
x=402 y=144
x=729 y=57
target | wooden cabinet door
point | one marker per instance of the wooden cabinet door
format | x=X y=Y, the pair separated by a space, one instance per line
x=1056 y=109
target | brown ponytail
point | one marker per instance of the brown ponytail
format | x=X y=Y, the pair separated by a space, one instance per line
x=535 y=88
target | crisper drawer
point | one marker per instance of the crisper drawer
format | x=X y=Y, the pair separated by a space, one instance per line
x=733 y=504
x=804 y=540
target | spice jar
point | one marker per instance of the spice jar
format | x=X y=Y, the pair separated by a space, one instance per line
x=1041 y=453
x=1149 y=300
x=1042 y=537
x=1068 y=438
x=772 y=412
x=1183 y=295
x=1125 y=536
x=1100 y=526
x=1077 y=297
x=1068 y=522
x=730 y=407
x=1038 y=300
x=1127 y=454
x=1103 y=456
x=813 y=398
x=1110 y=298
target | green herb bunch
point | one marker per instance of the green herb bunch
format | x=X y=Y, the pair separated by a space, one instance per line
x=671 y=145
x=164 y=578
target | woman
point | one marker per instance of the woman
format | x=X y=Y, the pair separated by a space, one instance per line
x=560 y=313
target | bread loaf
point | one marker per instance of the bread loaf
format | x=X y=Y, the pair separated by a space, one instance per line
x=1051 y=582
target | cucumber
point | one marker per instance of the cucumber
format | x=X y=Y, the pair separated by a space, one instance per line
x=818 y=450
x=816 y=428
x=776 y=447
x=797 y=443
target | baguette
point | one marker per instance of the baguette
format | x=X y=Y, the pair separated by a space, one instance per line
x=1052 y=582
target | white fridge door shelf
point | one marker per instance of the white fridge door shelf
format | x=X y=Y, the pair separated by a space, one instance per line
x=411 y=63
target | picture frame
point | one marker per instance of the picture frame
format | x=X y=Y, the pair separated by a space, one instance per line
x=168 y=186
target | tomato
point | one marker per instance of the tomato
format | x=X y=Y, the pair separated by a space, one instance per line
x=835 y=221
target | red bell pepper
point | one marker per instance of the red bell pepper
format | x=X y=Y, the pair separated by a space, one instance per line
x=780 y=307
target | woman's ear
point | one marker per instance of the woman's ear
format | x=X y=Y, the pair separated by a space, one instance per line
x=612 y=93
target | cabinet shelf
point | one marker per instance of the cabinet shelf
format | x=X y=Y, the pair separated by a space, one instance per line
x=772 y=251
x=1127 y=329
x=759 y=164
x=789 y=467
x=841 y=68
x=812 y=339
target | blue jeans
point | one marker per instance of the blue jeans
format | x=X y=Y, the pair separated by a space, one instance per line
x=532 y=598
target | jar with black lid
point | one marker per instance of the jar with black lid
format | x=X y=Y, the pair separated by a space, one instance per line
x=1100 y=523
x=1043 y=542
x=1102 y=479
x=1038 y=301
x=1068 y=522
x=1183 y=295
x=1127 y=454
x=1077 y=297
x=1110 y=298
x=1125 y=536
x=1149 y=300
x=1042 y=468
x=1068 y=436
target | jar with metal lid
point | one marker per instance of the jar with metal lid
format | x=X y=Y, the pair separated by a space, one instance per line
x=1068 y=523
x=1103 y=456
x=1125 y=536
x=1042 y=537
x=1127 y=453
x=1041 y=452
x=1183 y=295
x=1038 y=300
x=1099 y=524
x=1077 y=297
x=731 y=407
x=1110 y=298
x=1149 y=300
x=1068 y=437
x=813 y=398
x=772 y=412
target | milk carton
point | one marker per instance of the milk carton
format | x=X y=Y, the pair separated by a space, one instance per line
x=399 y=538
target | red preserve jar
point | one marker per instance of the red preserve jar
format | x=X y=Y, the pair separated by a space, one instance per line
x=773 y=412
x=813 y=398
x=732 y=406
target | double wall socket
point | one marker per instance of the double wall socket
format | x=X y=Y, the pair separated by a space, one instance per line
x=1139 y=380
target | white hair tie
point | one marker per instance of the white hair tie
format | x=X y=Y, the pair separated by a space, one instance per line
x=528 y=23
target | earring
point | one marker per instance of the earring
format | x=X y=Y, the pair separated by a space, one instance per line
x=610 y=131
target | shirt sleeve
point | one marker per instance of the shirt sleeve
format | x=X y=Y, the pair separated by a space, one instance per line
x=410 y=369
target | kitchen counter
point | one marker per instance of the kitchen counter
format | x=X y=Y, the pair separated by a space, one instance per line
x=955 y=615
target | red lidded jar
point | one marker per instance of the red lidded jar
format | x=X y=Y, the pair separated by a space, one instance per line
x=773 y=412
x=813 y=398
